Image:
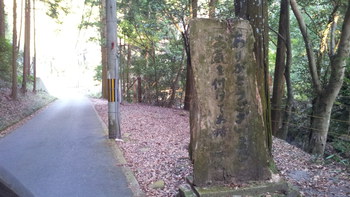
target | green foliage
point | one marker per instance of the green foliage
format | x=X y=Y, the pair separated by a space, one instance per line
x=340 y=153
x=225 y=9
x=148 y=27
x=98 y=73
x=317 y=15
x=341 y=146
x=5 y=59
x=56 y=8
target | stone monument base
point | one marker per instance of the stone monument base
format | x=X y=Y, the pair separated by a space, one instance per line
x=272 y=189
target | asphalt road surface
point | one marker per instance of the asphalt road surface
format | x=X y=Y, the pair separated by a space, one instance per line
x=63 y=152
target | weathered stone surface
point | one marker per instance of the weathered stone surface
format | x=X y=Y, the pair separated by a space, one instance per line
x=252 y=189
x=158 y=185
x=227 y=128
x=271 y=189
x=185 y=190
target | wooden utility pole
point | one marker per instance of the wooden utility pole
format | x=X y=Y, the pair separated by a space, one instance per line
x=113 y=71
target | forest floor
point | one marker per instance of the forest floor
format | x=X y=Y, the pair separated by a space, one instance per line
x=155 y=142
x=14 y=113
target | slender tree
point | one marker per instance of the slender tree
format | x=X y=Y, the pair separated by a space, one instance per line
x=103 y=49
x=20 y=25
x=189 y=72
x=34 y=55
x=2 y=19
x=14 y=52
x=26 y=54
x=194 y=8
x=290 y=95
x=280 y=66
x=324 y=95
x=127 y=72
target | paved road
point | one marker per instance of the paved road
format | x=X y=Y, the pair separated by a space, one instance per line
x=63 y=152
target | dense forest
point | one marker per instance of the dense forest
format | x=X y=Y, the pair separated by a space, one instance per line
x=308 y=60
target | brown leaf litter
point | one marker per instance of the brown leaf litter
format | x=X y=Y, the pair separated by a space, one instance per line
x=155 y=146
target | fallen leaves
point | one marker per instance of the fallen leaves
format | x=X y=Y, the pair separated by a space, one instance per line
x=15 y=112
x=155 y=146
x=312 y=177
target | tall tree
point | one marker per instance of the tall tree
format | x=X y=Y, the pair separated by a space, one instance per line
x=194 y=8
x=2 y=19
x=280 y=66
x=283 y=133
x=127 y=71
x=26 y=54
x=103 y=49
x=189 y=72
x=324 y=95
x=20 y=25
x=256 y=12
x=34 y=55
x=14 y=52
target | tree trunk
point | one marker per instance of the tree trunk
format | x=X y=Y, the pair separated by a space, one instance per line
x=309 y=49
x=173 y=88
x=278 y=83
x=290 y=95
x=321 y=113
x=139 y=90
x=323 y=103
x=212 y=7
x=256 y=12
x=348 y=108
x=194 y=8
x=2 y=19
x=128 y=62
x=103 y=49
x=189 y=72
x=20 y=26
x=26 y=53
x=34 y=56
x=14 y=53
x=156 y=81
x=121 y=69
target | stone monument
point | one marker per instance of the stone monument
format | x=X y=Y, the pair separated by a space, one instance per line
x=228 y=135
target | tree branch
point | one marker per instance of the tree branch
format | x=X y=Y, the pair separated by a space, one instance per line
x=310 y=54
x=338 y=62
x=278 y=34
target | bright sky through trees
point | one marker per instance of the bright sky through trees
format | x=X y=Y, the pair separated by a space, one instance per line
x=66 y=59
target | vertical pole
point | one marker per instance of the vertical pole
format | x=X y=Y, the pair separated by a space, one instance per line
x=113 y=72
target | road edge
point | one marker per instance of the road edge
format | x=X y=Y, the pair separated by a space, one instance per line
x=17 y=124
x=118 y=154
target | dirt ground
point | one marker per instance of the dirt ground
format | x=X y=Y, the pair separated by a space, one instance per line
x=155 y=146
x=14 y=113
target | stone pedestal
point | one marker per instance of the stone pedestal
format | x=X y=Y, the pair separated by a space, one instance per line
x=258 y=189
